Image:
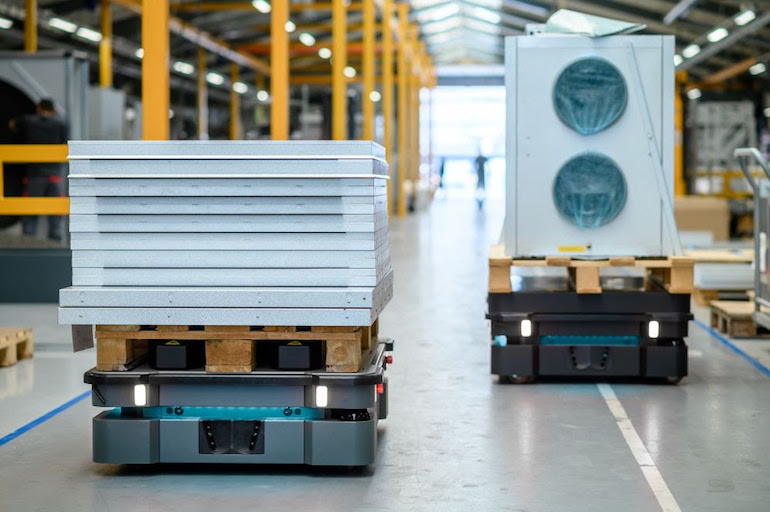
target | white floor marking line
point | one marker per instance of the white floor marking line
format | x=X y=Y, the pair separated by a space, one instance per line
x=643 y=458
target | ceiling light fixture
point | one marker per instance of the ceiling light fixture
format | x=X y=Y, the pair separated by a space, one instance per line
x=691 y=51
x=262 y=6
x=63 y=25
x=183 y=67
x=240 y=88
x=215 y=78
x=745 y=17
x=758 y=68
x=90 y=35
x=306 y=39
x=717 y=34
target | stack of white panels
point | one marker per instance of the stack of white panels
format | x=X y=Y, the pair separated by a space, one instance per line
x=227 y=233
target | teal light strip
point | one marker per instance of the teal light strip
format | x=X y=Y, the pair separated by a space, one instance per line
x=605 y=341
x=231 y=413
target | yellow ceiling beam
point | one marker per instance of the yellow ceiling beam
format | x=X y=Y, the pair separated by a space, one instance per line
x=202 y=38
x=730 y=72
x=247 y=6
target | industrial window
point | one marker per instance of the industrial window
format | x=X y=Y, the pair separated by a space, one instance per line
x=589 y=190
x=590 y=95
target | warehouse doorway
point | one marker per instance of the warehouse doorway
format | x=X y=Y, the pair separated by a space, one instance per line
x=468 y=122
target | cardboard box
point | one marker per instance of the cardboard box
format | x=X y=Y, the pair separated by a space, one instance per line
x=703 y=213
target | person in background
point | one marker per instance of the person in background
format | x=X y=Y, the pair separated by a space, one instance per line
x=481 y=185
x=42 y=179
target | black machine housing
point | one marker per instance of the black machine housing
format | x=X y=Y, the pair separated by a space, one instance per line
x=621 y=312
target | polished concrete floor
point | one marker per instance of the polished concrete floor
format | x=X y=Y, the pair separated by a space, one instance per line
x=455 y=438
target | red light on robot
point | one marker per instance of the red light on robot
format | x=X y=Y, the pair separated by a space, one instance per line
x=389 y=359
x=380 y=389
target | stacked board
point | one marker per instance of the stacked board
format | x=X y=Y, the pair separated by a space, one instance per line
x=227 y=233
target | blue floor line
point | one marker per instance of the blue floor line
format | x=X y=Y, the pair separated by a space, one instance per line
x=42 y=419
x=756 y=364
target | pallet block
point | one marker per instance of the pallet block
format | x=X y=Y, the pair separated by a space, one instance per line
x=116 y=353
x=230 y=355
x=16 y=343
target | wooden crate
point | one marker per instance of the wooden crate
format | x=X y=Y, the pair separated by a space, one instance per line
x=16 y=343
x=230 y=348
x=674 y=273
x=734 y=318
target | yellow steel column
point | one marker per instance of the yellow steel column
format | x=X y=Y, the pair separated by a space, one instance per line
x=429 y=84
x=387 y=91
x=155 y=80
x=339 y=62
x=279 y=70
x=414 y=111
x=235 y=104
x=203 y=97
x=680 y=186
x=416 y=150
x=259 y=108
x=370 y=33
x=105 y=45
x=30 y=26
x=402 y=115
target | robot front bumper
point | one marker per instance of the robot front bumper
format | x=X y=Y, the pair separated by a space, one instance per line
x=314 y=417
x=612 y=334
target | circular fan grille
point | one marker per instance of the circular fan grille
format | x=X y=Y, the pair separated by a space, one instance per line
x=589 y=190
x=590 y=95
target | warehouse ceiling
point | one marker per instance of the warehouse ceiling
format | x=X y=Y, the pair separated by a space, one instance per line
x=456 y=32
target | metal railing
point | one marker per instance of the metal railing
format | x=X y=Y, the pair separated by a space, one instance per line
x=25 y=154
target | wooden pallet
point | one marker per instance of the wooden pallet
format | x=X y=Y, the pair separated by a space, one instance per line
x=231 y=348
x=734 y=318
x=704 y=297
x=15 y=343
x=674 y=273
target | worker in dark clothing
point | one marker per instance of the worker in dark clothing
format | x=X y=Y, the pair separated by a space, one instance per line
x=481 y=183
x=42 y=179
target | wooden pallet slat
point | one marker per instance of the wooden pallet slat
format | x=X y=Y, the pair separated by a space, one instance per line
x=231 y=348
x=16 y=344
x=674 y=273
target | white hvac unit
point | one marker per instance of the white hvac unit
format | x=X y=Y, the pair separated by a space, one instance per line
x=590 y=143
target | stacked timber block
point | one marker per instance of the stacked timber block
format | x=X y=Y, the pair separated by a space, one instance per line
x=16 y=343
x=227 y=244
x=674 y=273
